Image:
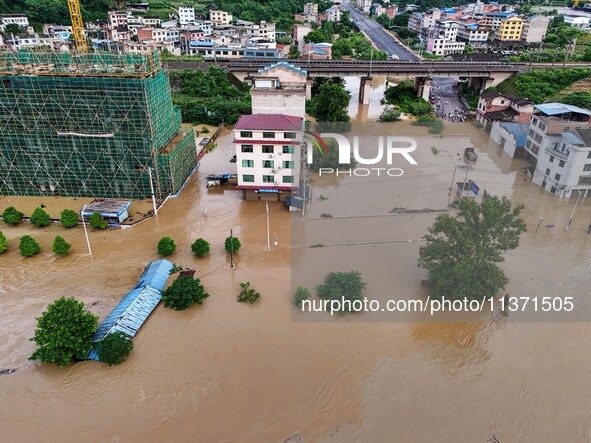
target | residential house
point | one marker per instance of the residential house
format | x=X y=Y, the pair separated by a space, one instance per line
x=494 y=106
x=317 y=51
x=220 y=17
x=186 y=15
x=511 y=136
x=510 y=29
x=299 y=32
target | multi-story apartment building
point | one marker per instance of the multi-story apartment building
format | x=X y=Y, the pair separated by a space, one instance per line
x=311 y=9
x=204 y=25
x=442 y=40
x=558 y=147
x=510 y=29
x=299 y=32
x=15 y=19
x=493 y=20
x=473 y=34
x=220 y=17
x=364 y=5
x=333 y=14
x=268 y=155
x=424 y=22
x=118 y=25
x=186 y=15
x=535 y=28
x=391 y=11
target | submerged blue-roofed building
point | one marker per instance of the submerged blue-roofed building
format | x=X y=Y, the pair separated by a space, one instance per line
x=131 y=313
x=511 y=136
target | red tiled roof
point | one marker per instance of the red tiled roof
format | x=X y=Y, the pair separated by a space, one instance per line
x=271 y=122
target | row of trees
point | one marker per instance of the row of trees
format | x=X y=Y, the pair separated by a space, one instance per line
x=40 y=218
x=200 y=247
x=29 y=247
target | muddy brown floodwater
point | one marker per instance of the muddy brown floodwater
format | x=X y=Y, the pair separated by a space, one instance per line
x=226 y=372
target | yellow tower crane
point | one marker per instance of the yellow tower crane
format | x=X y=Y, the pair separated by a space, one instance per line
x=77 y=26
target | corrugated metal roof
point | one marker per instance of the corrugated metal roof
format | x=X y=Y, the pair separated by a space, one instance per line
x=519 y=131
x=572 y=138
x=561 y=108
x=131 y=313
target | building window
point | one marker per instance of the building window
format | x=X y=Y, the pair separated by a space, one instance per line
x=289 y=135
x=268 y=178
x=557 y=176
x=288 y=179
x=268 y=149
x=561 y=163
x=248 y=163
x=268 y=135
x=544 y=184
x=589 y=154
x=268 y=164
x=551 y=159
x=289 y=150
x=288 y=165
x=246 y=134
x=547 y=171
x=587 y=167
x=247 y=178
x=553 y=189
x=247 y=148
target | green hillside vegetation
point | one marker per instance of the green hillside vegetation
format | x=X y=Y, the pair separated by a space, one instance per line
x=540 y=86
x=208 y=97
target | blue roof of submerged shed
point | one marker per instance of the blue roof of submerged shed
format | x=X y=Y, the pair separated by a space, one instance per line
x=131 y=313
x=519 y=131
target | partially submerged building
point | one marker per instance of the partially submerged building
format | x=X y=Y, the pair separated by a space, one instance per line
x=558 y=147
x=90 y=125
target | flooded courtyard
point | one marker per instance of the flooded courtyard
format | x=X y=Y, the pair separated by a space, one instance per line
x=226 y=372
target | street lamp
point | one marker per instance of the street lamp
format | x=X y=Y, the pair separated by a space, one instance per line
x=85 y=230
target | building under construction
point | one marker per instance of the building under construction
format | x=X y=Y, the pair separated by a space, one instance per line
x=90 y=125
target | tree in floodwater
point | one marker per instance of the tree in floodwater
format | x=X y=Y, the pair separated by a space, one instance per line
x=64 y=332
x=462 y=251
x=342 y=286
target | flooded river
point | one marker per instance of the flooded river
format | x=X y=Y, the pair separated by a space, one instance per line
x=226 y=372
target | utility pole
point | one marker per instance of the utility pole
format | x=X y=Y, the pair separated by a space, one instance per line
x=268 y=229
x=570 y=220
x=539 y=223
x=152 y=190
x=451 y=188
x=231 y=249
x=85 y=230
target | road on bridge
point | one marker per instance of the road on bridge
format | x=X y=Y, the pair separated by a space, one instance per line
x=383 y=40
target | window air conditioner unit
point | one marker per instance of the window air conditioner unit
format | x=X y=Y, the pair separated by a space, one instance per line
x=275 y=171
x=276 y=182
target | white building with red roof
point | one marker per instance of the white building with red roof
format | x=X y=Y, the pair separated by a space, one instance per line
x=268 y=155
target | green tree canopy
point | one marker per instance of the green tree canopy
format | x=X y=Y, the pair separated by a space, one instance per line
x=60 y=246
x=342 y=285
x=3 y=243
x=69 y=218
x=200 y=247
x=39 y=218
x=330 y=107
x=300 y=295
x=247 y=294
x=166 y=246
x=114 y=348
x=462 y=251
x=64 y=332
x=232 y=244
x=28 y=246
x=11 y=216
x=184 y=291
x=97 y=221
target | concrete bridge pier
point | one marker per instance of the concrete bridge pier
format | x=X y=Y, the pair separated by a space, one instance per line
x=480 y=83
x=423 y=87
x=309 y=89
x=365 y=90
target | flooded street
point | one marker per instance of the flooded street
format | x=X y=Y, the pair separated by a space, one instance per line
x=227 y=372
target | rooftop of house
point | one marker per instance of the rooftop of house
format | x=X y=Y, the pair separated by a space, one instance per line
x=272 y=122
x=556 y=108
